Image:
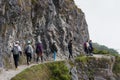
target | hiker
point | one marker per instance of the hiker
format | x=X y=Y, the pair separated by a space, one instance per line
x=54 y=49
x=70 y=49
x=28 y=52
x=39 y=51
x=16 y=50
x=86 y=47
x=90 y=47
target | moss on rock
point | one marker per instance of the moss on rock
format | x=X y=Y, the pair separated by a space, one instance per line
x=47 y=71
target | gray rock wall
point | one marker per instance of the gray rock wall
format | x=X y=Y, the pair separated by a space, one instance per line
x=49 y=20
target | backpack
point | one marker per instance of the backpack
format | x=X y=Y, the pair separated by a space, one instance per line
x=54 y=48
x=28 y=49
x=15 y=50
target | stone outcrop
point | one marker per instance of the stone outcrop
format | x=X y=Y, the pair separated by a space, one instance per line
x=48 y=20
x=93 y=68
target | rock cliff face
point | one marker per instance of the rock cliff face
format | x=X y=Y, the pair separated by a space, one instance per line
x=48 y=20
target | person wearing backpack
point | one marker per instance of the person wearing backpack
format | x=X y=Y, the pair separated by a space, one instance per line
x=70 y=49
x=54 y=49
x=39 y=51
x=90 y=47
x=16 y=50
x=87 y=47
x=28 y=52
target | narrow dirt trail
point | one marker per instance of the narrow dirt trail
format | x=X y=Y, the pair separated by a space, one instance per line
x=7 y=75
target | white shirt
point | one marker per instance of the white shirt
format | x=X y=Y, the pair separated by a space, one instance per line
x=87 y=44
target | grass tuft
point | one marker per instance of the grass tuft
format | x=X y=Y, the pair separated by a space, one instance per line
x=47 y=71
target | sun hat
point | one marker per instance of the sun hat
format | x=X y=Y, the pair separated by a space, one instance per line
x=28 y=42
x=17 y=42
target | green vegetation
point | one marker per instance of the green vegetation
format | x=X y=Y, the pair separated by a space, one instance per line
x=116 y=67
x=59 y=71
x=93 y=61
x=84 y=59
x=34 y=1
x=90 y=66
x=96 y=51
x=101 y=49
x=47 y=71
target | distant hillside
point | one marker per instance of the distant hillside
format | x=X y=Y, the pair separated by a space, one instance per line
x=104 y=49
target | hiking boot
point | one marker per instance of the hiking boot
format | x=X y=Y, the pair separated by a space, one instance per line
x=28 y=63
x=16 y=68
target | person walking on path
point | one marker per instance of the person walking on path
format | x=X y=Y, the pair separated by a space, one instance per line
x=70 y=49
x=90 y=47
x=39 y=51
x=28 y=52
x=86 y=47
x=16 y=50
x=54 y=49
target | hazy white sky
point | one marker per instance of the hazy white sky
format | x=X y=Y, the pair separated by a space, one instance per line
x=103 y=18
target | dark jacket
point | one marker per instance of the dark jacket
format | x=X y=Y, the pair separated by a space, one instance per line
x=54 y=48
x=91 y=47
x=70 y=46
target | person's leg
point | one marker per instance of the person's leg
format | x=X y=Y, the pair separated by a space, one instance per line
x=69 y=54
x=27 y=56
x=41 y=58
x=87 y=50
x=14 y=57
x=17 y=60
x=37 y=57
x=30 y=57
x=54 y=55
x=90 y=52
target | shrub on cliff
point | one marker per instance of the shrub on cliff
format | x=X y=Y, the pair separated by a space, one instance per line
x=116 y=67
x=47 y=71
x=102 y=49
